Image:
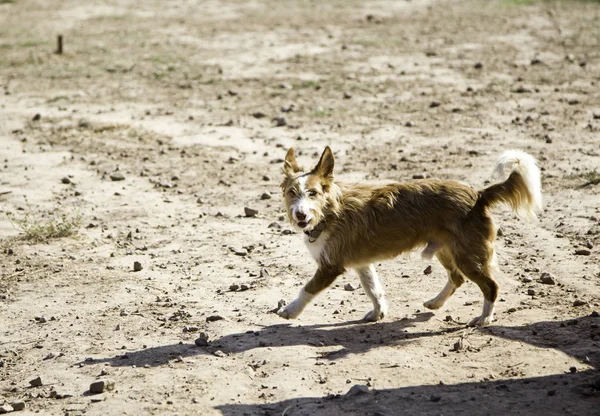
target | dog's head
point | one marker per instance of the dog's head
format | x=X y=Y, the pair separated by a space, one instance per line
x=306 y=193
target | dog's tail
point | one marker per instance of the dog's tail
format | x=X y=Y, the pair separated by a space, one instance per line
x=522 y=191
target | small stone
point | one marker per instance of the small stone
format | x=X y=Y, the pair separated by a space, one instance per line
x=264 y=272
x=572 y=370
x=275 y=225
x=579 y=302
x=101 y=386
x=357 y=390
x=259 y=114
x=279 y=121
x=435 y=398
x=266 y=178
x=17 y=406
x=527 y=279
x=137 y=266
x=410 y=124
x=250 y=213
x=219 y=353
x=428 y=270
x=589 y=244
x=36 y=382
x=37 y=117
x=214 y=318
x=583 y=252
x=7 y=408
x=347 y=96
x=241 y=252
x=458 y=345
x=511 y=310
x=191 y=329
x=418 y=176
x=434 y=104
x=117 y=176
x=547 y=279
x=66 y=180
x=201 y=342
x=595 y=314
x=244 y=287
x=349 y=287
x=478 y=65
x=531 y=292
x=265 y=195
x=234 y=287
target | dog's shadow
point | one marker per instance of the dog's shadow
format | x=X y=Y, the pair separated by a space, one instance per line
x=353 y=337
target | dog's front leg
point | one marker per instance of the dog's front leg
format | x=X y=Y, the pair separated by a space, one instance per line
x=324 y=276
x=370 y=282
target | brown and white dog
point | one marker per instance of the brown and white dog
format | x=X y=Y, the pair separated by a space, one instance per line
x=354 y=226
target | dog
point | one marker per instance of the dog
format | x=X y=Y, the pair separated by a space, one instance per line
x=355 y=225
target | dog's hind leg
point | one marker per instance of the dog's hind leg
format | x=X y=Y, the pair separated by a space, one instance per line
x=370 y=282
x=455 y=280
x=480 y=273
x=324 y=276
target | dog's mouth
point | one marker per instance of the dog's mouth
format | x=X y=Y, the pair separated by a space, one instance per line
x=302 y=224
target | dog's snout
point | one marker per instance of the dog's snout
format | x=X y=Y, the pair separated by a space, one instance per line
x=301 y=216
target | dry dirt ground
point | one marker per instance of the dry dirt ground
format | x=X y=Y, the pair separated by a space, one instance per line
x=194 y=104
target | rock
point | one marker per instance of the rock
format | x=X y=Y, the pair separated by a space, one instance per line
x=547 y=279
x=434 y=104
x=36 y=382
x=137 y=266
x=347 y=95
x=66 y=180
x=410 y=124
x=117 y=176
x=275 y=225
x=458 y=345
x=259 y=114
x=279 y=121
x=579 y=302
x=264 y=272
x=241 y=252
x=201 y=342
x=17 y=406
x=531 y=292
x=191 y=329
x=214 y=318
x=37 y=117
x=7 y=408
x=595 y=314
x=427 y=270
x=250 y=213
x=583 y=252
x=101 y=386
x=349 y=287
x=589 y=244
x=357 y=390
x=234 y=287
x=435 y=398
x=419 y=176
x=478 y=65
x=266 y=178
x=219 y=353
x=265 y=195
x=527 y=279
x=244 y=287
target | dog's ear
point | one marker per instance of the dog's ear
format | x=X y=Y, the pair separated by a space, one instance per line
x=290 y=166
x=325 y=166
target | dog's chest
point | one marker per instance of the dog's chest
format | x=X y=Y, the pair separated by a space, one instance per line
x=317 y=248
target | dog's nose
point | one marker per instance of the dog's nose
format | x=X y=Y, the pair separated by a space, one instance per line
x=301 y=216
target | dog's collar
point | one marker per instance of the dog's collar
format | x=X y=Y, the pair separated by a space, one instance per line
x=315 y=232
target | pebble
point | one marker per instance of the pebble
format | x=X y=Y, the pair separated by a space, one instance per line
x=349 y=287
x=214 y=318
x=583 y=252
x=264 y=272
x=527 y=279
x=137 y=266
x=418 y=176
x=579 y=302
x=234 y=287
x=100 y=386
x=241 y=252
x=259 y=114
x=279 y=121
x=250 y=213
x=531 y=292
x=410 y=124
x=458 y=345
x=7 y=408
x=547 y=279
x=36 y=382
x=117 y=176
x=427 y=270
x=66 y=180
x=265 y=195
x=435 y=398
x=478 y=65
x=219 y=353
x=357 y=390
x=244 y=287
x=201 y=342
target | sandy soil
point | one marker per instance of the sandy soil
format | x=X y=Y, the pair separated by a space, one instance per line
x=182 y=98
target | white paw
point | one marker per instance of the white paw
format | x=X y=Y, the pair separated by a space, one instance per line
x=433 y=304
x=291 y=311
x=377 y=314
x=480 y=321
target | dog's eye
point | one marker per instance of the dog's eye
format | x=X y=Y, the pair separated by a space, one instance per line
x=292 y=193
x=312 y=193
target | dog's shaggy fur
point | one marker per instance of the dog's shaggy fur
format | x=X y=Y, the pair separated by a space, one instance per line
x=354 y=226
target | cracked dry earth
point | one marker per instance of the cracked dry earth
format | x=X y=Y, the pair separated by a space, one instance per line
x=162 y=121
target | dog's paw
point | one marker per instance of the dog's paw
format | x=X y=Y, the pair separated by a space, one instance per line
x=377 y=314
x=480 y=321
x=291 y=311
x=433 y=304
